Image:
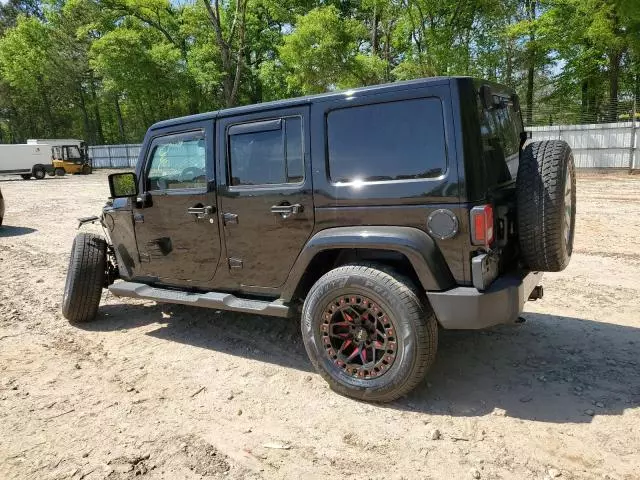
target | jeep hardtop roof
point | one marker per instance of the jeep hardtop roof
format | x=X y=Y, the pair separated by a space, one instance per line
x=309 y=99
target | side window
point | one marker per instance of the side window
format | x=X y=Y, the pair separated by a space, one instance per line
x=400 y=140
x=178 y=164
x=266 y=153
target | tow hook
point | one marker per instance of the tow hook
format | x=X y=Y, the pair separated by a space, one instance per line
x=536 y=293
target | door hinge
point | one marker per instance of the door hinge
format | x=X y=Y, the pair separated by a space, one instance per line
x=235 y=263
x=230 y=218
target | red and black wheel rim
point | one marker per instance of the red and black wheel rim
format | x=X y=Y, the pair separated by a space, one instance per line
x=358 y=336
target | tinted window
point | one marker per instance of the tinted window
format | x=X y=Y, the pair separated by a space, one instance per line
x=387 y=141
x=266 y=157
x=295 y=161
x=178 y=164
x=500 y=127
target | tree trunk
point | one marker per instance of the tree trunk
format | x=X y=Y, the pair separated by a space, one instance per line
x=375 y=43
x=531 y=4
x=88 y=133
x=143 y=113
x=508 y=76
x=123 y=136
x=96 y=111
x=530 y=74
x=584 y=105
x=636 y=90
x=232 y=61
x=47 y=109
x=614 y=78
x=387 y=52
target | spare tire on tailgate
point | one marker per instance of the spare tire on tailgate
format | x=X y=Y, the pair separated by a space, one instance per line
x=546 y=203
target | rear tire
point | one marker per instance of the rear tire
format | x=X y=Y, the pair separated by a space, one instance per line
x=39 y=173
x=85 y=278
x=546 y=200
x=26 y=176
x=378 y=311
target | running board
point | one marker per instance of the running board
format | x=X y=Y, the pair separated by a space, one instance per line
x=222 y=301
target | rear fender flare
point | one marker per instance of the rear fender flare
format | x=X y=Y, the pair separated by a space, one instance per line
x=417 y=246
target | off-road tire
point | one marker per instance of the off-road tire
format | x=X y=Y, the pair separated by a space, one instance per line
x=545 y=173
x=26 y=176
x=39 y=173
x=85 y=278
x=86 y=169
x=415 y=325
x=60 y=172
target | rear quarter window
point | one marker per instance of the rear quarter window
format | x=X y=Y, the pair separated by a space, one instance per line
x=403 y=140
x=500 y=127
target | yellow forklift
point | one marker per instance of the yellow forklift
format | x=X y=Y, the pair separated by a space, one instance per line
x=67 y=156
x=70 y=159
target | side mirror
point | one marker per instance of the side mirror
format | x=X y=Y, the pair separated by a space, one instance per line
x=123 y=185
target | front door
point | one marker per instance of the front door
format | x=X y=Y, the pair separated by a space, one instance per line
x=176 y=219
x=266 y=198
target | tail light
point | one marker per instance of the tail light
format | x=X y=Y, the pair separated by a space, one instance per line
x=482 y=230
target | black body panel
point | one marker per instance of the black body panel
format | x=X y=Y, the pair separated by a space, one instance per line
x=261 y=243
x=418 y=247
x=177 y=247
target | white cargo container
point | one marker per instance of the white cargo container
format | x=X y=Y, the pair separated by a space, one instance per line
x=25 y=160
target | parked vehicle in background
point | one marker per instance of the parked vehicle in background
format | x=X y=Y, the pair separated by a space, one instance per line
x=374 y=215
x=68 y=155
x=26 y=160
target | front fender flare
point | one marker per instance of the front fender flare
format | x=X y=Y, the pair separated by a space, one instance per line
x=417 y=246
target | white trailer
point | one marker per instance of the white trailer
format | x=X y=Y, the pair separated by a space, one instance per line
x=25 y=160
x=56 y=142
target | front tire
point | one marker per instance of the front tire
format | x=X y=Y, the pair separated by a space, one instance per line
x=26 y=176
x=85 y=278
x=368 y=333
x=59 y=172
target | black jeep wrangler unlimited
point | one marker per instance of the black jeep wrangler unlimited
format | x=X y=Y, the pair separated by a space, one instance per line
x=379 y=213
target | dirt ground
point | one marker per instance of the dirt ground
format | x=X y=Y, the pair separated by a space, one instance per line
x=178 y=392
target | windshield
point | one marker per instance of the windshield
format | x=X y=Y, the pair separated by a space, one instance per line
x=73 y=153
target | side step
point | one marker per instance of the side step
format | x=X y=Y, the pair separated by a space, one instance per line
x=222 y=301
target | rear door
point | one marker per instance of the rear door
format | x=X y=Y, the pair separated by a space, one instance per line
x=266 y=197
x=176 y=222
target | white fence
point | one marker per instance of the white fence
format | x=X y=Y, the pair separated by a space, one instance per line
x=606 y=145
x=114 y=156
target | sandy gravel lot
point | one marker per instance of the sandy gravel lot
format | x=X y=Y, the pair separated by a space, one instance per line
x=170 y=392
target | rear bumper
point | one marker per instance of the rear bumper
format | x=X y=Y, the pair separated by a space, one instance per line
x=467 y=308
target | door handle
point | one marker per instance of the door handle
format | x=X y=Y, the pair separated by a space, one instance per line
x=287 y=210
x=200 y=212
